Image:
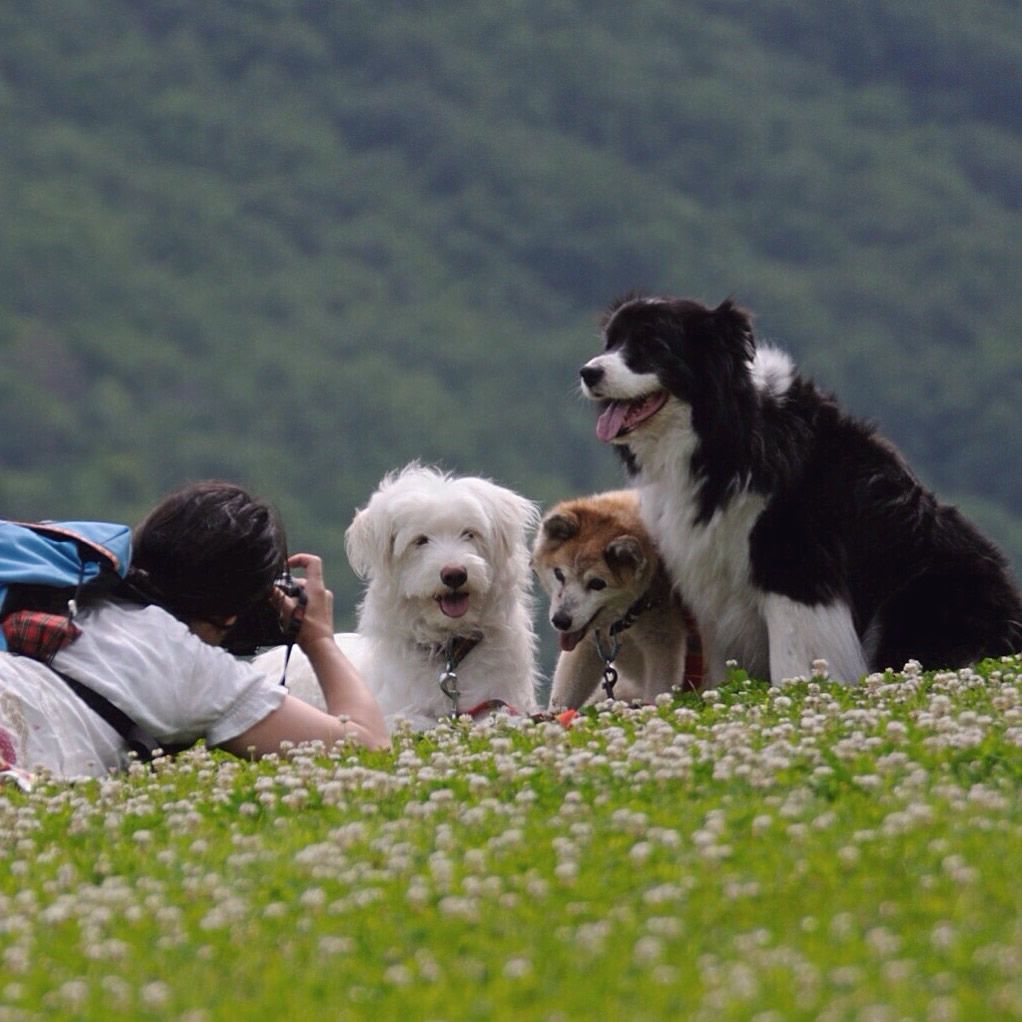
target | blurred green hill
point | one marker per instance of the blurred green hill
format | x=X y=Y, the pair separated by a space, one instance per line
x=298 y=244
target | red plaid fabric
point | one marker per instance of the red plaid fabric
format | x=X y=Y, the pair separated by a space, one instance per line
x=36 y=634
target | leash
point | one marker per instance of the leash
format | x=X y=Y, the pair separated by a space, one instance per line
x=488 y=706
x=456 y=649
x=692 y=677
x=608 y=654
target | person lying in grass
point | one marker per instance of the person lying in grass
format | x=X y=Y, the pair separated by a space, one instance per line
x=205 y=555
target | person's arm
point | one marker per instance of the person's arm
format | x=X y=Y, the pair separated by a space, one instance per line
x=344 y=691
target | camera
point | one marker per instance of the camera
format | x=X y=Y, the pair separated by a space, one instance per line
x=260 y=626
x=287 y=585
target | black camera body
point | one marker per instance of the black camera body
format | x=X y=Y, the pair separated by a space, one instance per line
x=287 y=585
x=260 y=626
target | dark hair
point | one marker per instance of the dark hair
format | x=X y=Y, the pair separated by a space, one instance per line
x=208 y=551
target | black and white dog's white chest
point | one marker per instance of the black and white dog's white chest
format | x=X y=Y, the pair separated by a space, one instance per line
x=709 y=562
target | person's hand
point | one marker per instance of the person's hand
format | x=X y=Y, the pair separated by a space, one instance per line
x=318 y=622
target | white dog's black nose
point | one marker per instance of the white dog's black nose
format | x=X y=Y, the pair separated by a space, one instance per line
x=453 y=576
x=561 y=621
x=591 y=375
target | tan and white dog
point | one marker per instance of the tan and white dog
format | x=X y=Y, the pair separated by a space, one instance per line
x=595 y=559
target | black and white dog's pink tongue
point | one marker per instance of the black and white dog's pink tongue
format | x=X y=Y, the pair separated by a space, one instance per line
x=624 y=415
x=454 y=605
x=612 y=420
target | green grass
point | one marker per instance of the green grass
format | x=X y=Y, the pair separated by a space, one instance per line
x=803 y=852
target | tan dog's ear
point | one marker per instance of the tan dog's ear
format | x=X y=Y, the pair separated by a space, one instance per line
x=625 y=552
x=561 y=526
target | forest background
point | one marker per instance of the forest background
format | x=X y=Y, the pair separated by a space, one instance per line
x=298 y=244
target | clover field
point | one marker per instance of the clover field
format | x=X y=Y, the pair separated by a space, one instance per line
x=801 y=852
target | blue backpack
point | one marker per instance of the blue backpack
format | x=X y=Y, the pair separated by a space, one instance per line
x=48 y=566
x=45 y=568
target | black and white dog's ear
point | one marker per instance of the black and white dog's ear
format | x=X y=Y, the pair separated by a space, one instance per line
x=734 y=325
x=560 y=526
x=625 y=552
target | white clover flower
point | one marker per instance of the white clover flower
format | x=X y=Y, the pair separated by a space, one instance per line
x=398 y=975
x=117 y=989
x=313 y=898
x=517 y=968
x=463 y=907
x=846 y=976
x=943 y=1009
x=640 y=851
x=662 y=894
x=74 y=992
x=664 y=926
x=155 y=994
x=417 y=894
x=943 y=936
x=566 y=871
x=648 y=950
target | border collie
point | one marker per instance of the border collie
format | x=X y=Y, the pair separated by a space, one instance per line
x=794 y=531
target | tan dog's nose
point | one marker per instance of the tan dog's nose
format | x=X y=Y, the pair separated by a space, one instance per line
x=561 y=621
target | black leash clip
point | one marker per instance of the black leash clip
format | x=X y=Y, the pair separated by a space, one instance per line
x=608 y=656
x=609 y=680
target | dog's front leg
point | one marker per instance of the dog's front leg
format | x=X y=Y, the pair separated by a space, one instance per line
x=801 y=633
x=576 y=676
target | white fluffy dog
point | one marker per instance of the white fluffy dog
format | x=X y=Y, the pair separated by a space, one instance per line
x=447 y=565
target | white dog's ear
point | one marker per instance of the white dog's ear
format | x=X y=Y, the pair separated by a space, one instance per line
x=512 y=516
x=366 y=543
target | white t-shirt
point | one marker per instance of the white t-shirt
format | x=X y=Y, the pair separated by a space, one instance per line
x=150 y=666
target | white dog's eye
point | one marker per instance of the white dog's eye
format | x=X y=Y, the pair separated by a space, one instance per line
x=468 y=534
x=421 y=540
x=558 y=574
x=596 y=584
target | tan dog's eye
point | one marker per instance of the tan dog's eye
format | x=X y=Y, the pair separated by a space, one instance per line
x=558 y=574
x=596 y=584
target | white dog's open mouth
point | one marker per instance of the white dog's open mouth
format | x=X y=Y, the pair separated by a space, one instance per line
x=453 y=604
x=621 y=417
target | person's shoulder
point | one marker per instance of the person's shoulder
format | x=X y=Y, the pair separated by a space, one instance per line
x=130 y=615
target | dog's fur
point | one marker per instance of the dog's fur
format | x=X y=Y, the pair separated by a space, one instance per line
x=599 y=566
x=445 y=558
x=794 y=531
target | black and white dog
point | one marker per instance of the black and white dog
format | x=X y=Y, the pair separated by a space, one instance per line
x=795 y=532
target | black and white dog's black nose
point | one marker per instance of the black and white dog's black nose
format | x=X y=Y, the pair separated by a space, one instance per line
x=591 y=375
